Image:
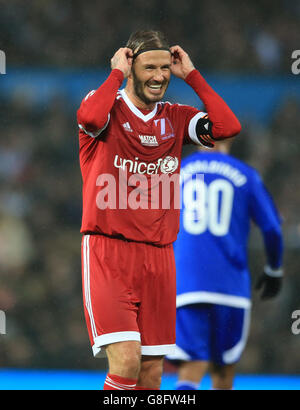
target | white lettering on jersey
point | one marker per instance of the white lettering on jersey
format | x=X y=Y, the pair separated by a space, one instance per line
x=167 y=165
x=214 y=167
x=148 y=140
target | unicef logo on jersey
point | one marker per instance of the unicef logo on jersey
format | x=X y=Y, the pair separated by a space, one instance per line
x=165 y=165
x=169 y=165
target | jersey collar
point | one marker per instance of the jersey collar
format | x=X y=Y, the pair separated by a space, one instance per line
x=135 y=110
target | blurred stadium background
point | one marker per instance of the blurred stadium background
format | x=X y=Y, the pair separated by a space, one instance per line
x=58 y=51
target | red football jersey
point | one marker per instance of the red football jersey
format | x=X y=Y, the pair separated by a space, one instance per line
x=130 y=170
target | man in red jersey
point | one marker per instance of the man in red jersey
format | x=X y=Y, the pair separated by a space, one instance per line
x=130 y=144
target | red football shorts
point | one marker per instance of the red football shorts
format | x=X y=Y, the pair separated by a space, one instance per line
x=129 y=293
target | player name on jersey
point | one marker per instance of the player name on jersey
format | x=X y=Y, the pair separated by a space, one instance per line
x=215 y=167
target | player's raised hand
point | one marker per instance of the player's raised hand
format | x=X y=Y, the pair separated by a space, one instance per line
x=181 y=63
x=122 y=60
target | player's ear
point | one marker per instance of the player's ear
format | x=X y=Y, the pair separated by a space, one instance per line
x=130 y=75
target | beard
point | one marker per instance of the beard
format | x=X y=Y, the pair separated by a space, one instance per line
x=138 y=86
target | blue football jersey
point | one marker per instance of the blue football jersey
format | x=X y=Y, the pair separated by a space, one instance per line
x=220 y=195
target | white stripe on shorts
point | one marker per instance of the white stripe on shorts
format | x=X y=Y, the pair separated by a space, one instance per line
x=190 y=298
x=233 y=354
x=86 y=281
x=114 y=337
x=158 y=350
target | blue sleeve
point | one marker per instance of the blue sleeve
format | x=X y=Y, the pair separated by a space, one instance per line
x=264 y=213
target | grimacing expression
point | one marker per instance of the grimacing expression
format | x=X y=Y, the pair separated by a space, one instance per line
x=151 y=75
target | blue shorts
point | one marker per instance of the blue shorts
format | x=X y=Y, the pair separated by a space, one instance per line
x=211 y=332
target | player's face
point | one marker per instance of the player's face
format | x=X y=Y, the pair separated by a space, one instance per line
x=151 y=75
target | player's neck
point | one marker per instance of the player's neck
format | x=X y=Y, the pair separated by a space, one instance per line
x=140 y=104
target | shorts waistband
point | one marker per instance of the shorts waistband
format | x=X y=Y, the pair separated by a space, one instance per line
x=122 y=238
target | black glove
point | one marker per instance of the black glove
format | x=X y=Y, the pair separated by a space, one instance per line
x=271 y=282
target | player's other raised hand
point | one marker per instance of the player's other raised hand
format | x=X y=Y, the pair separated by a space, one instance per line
x=181 y=63
x=122 y=60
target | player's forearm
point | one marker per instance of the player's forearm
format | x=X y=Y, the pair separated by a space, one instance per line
x=274 y=248
x=225 y=123
x=94 y=109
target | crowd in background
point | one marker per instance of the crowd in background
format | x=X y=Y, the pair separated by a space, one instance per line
x=40 y=182
x=231 y=35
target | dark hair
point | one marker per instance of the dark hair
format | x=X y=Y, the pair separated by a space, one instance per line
x=147 y=39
